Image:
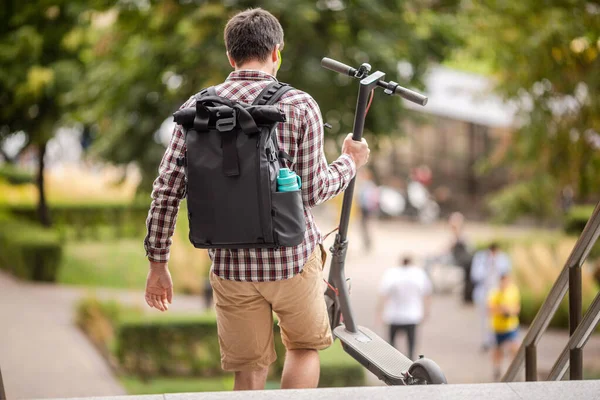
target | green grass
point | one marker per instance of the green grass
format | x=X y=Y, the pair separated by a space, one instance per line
x=115 y=264
x=333 y=356
x=135 y=386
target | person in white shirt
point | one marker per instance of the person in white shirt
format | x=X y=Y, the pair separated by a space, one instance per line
x=405 y=300
x=487 y=268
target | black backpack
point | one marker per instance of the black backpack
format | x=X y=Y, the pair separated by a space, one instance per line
x=231 y=164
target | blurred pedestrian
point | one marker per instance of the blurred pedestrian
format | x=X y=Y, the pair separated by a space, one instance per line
x=487 y=268
x=457 y=253
x=405 y=301
x=460 y=250
x=504 y=303
x=368 y=203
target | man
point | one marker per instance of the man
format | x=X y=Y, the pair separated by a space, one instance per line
x=287 y=281
x=487 y=268
x=456 y=254
x=367 y=201
x=405 y=300
x=504 y=303
x=461 y=253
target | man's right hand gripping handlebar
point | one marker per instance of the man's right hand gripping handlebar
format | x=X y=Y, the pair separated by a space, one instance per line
x=359 y=151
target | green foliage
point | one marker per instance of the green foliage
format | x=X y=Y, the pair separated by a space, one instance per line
x=534 y=197
x=29 y=251
x=557 y=95
x=189 y=347
x=15 y=175
x=575 y=221
x=577 y=218
x=135 y=386
x=84 y=220
x=39 y=67
x=106 y=263
x=157 y=348
x=149 y=60
x=531 y=304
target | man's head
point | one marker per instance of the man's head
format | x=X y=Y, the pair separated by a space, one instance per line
x=254 y=37
x=493 y=248
x=456 y=221
x=406 y=260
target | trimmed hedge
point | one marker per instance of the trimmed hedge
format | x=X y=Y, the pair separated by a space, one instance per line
x=575 y=221
x=15 y=175
x=125 y=220
x=185 y=346
x=29 y=251
x=189 y=347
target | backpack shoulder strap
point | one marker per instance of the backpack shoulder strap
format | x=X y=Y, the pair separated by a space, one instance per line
x=209 y=91
x=272 y=93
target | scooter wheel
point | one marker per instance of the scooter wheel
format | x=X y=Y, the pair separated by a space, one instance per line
x=425 y=372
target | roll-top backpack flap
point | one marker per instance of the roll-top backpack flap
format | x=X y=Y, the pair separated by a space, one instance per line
x=266 y=115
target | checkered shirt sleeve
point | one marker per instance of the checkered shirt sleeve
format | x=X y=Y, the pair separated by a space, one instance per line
x=167 y=191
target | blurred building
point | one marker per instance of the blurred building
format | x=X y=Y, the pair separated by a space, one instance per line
x=462 y=125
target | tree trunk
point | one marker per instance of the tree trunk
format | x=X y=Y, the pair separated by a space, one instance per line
x=43 y=212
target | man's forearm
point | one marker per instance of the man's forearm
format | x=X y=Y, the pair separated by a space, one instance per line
x=333 y=180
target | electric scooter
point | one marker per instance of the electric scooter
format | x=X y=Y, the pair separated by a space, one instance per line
x=374 y=353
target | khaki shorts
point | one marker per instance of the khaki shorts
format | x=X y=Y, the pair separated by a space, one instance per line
x=245 y=316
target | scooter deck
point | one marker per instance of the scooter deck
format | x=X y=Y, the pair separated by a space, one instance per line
x=375 y=354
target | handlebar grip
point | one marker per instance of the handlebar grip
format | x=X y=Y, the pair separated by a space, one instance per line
x=337 y=66
x=410 y=95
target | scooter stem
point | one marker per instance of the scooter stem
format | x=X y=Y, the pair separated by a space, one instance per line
x=337 y=276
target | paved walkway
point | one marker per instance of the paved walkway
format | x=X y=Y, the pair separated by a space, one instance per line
x=43 y=354
x=451 y=335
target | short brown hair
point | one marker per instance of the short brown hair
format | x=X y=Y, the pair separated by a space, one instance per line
x=252 y=35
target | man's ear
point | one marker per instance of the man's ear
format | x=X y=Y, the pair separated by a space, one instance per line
x=274 y=56
x=231 y=62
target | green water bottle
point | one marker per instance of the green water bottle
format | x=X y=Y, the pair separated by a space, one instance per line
x=288 y=181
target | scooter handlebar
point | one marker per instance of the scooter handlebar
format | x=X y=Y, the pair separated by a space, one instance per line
x=393 y=87
x=410 y=95
x=337 y=66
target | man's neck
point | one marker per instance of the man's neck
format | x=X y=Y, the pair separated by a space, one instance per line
x=255 y=66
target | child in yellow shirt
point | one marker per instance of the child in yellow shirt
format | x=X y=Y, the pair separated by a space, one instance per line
x=504 y=304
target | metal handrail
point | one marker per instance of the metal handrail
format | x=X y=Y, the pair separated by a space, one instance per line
x=577 y=340
x=570 y=277
x=2 y=392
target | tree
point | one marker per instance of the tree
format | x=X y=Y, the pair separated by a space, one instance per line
x=545 y=56
x=152 y=57
x=39 y=66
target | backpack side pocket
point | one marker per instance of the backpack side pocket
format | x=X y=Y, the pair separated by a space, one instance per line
x=289 y=224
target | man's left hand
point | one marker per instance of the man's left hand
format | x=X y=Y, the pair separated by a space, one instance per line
x=159 y=286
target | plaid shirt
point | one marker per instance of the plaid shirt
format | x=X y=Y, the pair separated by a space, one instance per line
x=301 y=136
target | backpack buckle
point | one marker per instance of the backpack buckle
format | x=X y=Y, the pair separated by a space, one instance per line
x=227 y=120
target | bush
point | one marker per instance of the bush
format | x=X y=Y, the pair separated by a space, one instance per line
x=186 y=346
x=534 y=197
x=29 y=251
x=98 y=321
x=85 y=220
x=15 y=175
x=575 y=221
